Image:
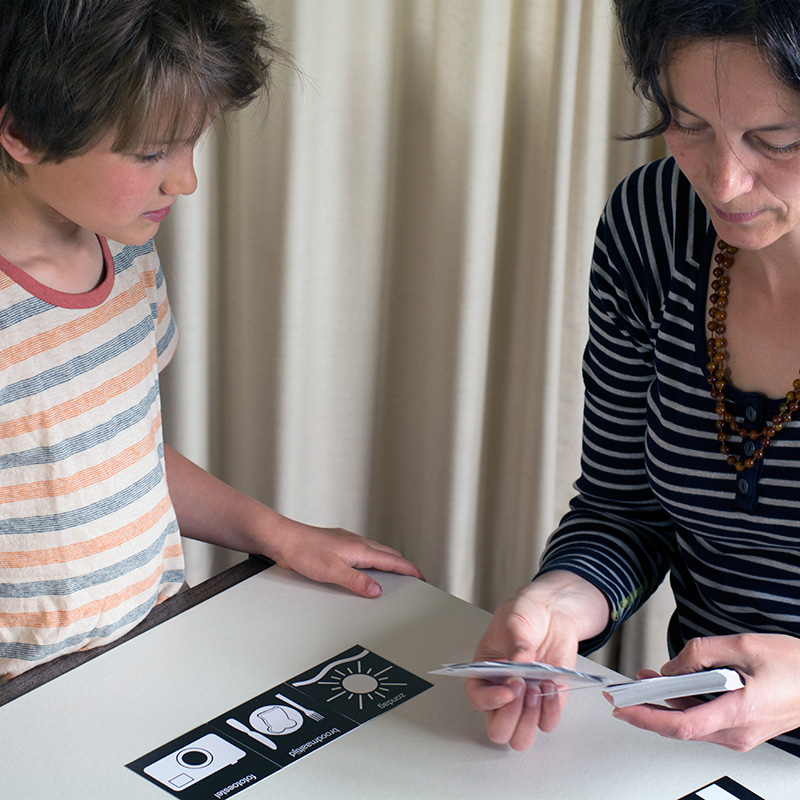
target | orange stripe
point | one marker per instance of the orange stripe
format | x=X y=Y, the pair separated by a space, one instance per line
x=148 y=278
x=49 y=340
x=81 y=404
x=173 y=551
x=162 y=310
x=99 y=544
x=84 y=478
x=65 y=618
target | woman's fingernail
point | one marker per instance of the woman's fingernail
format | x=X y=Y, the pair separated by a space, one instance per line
x=533 y=698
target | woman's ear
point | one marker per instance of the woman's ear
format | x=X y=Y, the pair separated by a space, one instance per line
x=12 y=142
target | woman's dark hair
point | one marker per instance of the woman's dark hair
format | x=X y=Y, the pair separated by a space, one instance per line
x=71 y=71
x=650 y=28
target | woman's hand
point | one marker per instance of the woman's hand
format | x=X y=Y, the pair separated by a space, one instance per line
x=543 y=621
x=768 y=705
x=334 y=555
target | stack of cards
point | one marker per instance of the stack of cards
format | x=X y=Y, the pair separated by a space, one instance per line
x=627 y=693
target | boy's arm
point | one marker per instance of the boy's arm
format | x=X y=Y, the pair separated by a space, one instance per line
x=211 y=511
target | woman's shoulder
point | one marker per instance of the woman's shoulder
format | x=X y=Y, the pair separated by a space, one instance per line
x=656 y=209
x=656 y=186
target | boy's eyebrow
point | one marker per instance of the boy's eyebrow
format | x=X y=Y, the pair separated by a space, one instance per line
x=165 y=144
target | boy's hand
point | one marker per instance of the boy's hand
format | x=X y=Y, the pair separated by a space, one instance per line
x=211 y=511
x=334 y=555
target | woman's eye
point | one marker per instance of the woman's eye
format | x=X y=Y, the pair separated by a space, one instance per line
x=687 y=129
x=781 y=150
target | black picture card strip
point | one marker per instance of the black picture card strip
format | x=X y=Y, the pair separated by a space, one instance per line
x=724 y=788
x=277 y=727
x=359 y=684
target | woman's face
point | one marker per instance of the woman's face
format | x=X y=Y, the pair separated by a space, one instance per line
x=735 y=133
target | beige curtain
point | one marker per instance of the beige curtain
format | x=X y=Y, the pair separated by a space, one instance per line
x=382 y=290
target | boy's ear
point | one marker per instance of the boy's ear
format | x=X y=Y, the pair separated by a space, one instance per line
x=12 y=142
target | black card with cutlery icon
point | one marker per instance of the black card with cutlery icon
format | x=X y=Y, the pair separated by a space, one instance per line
x=282 y=725
x=279 y=726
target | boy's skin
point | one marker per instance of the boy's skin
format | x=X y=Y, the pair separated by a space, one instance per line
x=49 y=222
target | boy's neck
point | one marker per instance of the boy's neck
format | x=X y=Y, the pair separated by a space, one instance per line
x=53 y=251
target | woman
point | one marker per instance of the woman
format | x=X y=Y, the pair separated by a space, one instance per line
x=691 y=460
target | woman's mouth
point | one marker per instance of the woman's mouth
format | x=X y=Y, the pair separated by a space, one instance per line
x=726 y=216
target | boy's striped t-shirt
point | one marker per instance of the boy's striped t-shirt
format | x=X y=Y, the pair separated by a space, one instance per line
x=89 y=541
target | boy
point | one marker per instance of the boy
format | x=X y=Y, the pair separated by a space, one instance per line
x=101 y=104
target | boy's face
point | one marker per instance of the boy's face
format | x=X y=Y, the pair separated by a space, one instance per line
x=118 y=195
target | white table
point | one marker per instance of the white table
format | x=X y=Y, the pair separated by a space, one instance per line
x=71 y=738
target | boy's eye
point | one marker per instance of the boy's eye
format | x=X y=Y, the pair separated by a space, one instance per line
x=150 y=158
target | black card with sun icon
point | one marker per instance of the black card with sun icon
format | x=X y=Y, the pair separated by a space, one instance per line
x=358 y=684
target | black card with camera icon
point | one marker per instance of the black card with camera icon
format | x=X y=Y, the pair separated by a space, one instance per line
x=203 y=764
x=276 y=728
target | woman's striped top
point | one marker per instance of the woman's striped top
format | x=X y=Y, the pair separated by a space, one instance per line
x=88 y=537
x=655 y=494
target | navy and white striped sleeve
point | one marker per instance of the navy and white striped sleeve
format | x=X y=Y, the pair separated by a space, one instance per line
x=616 y=534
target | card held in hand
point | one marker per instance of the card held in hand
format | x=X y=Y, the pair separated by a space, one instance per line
x=624 y=693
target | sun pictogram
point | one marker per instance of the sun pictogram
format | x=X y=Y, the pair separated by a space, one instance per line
x=355 y=683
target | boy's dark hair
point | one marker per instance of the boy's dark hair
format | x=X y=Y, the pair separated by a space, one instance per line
x=153 y=71
x=650 y=28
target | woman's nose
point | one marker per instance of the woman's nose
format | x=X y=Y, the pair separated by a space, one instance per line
x=729 y=175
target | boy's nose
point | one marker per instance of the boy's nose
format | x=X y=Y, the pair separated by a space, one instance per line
x=181 y=178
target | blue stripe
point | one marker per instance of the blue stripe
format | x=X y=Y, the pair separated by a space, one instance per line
x=85 y=441
x=165 y=341
x=64 y=373
x=25 y=651
x=24 y=310
x=83 y=516
x=76 y=583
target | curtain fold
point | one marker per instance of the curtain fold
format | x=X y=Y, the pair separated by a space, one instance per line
x=382 y=289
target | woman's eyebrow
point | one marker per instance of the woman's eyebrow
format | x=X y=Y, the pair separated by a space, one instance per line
x=675 y=104
x=792 y=126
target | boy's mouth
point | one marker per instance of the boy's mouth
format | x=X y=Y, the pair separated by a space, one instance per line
x=157 y=216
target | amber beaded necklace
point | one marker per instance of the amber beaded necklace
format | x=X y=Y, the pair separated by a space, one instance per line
x=720 y=288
